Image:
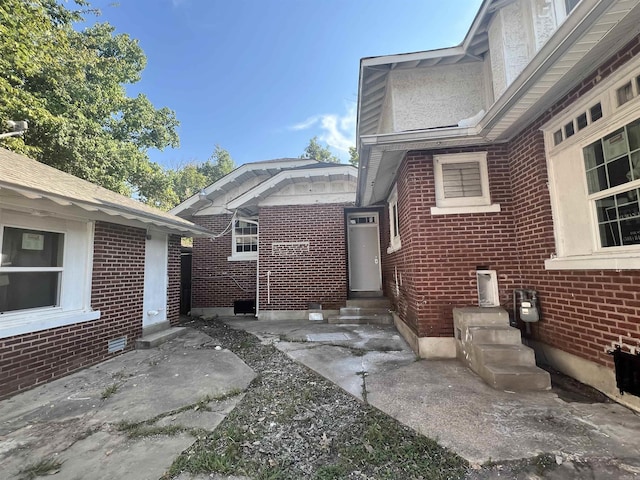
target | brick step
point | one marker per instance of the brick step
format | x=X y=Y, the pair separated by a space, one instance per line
x=385 y=319
x=504 y=354
x=378 y=302
x=158 y=338
x=495 y=334
x=515 y=377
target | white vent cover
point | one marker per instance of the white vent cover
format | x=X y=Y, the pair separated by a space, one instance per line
x=117 y=344
x=487 y=288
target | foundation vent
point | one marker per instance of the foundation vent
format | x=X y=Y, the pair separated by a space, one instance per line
x=117 y=344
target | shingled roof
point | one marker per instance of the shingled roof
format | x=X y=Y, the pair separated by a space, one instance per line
x=23 y=178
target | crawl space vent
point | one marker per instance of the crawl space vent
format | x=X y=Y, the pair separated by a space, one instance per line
x=117 y=344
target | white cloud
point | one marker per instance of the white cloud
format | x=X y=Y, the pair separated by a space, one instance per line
x=337 y=131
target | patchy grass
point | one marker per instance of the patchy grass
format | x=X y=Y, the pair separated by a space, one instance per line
x=47 y=466
x=146 y=428
x=109 y=391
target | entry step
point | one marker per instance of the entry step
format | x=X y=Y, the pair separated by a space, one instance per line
x=158 y=338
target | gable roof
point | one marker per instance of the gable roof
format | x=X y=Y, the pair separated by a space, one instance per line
x=324 y=171
x=23 y=179
x=236 y=178
x=591 y=32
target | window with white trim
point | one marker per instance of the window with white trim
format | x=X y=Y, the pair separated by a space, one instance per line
x=594 y=180
x=244 y=241
x=462 y=184
x=31 y=268
x=394 y=221
x=612 y=166
x=45 y=272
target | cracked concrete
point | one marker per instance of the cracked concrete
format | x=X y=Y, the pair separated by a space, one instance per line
x=444 y=400
x=70 y=421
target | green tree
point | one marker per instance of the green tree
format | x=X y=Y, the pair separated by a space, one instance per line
x=70 y=86
x=318 y=152
x=354 y=159
x=217 y=166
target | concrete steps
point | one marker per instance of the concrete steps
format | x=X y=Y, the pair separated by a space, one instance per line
x=494 y=350
x=364 y=311
x=154 y=339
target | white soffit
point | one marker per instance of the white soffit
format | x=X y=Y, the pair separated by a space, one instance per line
x=286 y=177
x=235 y=179
x=45 y=204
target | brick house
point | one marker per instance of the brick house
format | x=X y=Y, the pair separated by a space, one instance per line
x=84 y=272
x=295 y=210
x=512 y=161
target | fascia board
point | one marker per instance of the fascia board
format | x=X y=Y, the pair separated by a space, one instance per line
x=255 y=166
x=286 y=175
x=178 y=226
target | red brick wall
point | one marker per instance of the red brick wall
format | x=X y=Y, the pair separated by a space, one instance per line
x=319 y=275
x=118 y=285
x=173 y=287
x=583 y=312
x=217 y=282
x=440 y=253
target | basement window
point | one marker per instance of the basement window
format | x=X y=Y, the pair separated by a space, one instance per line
x=462 y=184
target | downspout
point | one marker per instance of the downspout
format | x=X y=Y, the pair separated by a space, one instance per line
x=258 y=274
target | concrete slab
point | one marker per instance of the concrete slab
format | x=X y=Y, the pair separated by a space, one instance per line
x=74 y=419
x=446 y=401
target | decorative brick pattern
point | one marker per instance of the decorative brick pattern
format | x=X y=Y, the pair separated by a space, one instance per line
x=316 y=276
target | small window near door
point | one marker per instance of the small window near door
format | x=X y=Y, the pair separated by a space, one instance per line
x=31 y=269
x=245 y=240
x=394 y=221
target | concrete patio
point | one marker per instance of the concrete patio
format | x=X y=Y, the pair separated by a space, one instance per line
x=446 y=401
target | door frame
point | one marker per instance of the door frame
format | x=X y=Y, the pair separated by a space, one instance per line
x=351 y=212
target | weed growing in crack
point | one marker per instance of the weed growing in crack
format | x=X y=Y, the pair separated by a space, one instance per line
x=109 y=391
x=47 y=466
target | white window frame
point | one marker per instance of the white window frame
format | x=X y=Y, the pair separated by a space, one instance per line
x=578 y=243
x=74 y=299
x=394 y=221
x=242 y=256
x=478 y=204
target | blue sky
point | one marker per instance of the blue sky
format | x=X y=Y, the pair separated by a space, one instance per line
x=261 y=77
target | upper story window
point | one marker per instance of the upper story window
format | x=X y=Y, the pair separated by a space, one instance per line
x=462 y=184
x=394 y=221
x=570 y=5
x=244 y=240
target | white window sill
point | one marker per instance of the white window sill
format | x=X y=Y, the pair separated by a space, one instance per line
x=394 y=247
x=242 y=258
x=493 y=208
x=617 y=261
x=26 y=321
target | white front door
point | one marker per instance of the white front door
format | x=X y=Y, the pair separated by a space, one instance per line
x=364 y=252
x=155 y=280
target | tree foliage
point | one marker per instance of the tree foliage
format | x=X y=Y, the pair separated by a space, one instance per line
x=70 y=86
x=317 y=152
x=354 y=158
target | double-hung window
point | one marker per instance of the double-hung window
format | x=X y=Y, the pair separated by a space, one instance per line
x=31 y=269
x=462 y=184
x=612 y=166
x=244 y=240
